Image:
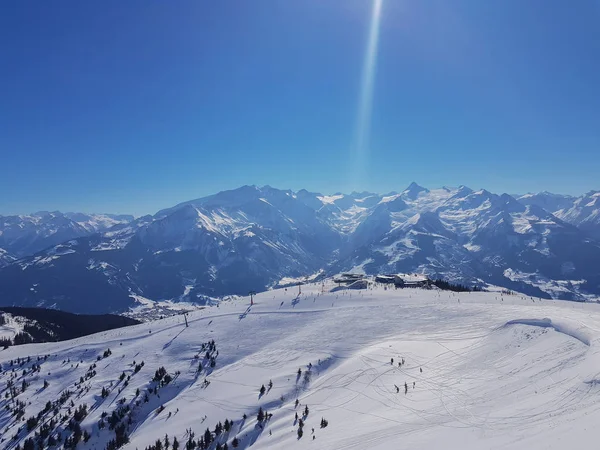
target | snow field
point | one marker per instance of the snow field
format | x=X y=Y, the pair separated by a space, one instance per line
x=498 y=371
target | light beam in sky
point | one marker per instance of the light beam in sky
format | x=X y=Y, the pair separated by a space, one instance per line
x=365 y=106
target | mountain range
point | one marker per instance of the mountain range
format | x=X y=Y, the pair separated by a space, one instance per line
x=253 y=238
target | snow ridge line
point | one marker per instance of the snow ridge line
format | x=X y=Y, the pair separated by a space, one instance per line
x=579 y=332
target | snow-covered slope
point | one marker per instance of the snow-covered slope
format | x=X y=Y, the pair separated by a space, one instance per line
x=481 y=370
x=252 y=238
x=10 y=326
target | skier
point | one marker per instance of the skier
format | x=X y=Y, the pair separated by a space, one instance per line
x=421 y=369
x=392 y=363
x=397 y=389
x=413 y=384
x=405 y=388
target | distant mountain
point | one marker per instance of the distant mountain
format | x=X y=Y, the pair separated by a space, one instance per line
x=99 y=222
x=25 y=235
x=548 y=201
x=251 y=238
x=584 y=213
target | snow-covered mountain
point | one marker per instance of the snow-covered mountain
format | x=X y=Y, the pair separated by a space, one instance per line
x=584 y=213
x=94 y=223
x=251 y=238
x=24 y=235
x=548 y=201
x=386 y=369
x=468 y=236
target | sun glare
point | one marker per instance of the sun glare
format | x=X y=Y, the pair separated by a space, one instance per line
x=365 y=106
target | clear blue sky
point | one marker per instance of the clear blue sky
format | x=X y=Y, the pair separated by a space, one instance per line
x=132 y=106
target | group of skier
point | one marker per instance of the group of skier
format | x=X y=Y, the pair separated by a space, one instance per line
x=400 y=364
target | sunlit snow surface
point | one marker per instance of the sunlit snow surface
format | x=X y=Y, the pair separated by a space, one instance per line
x=497 y=372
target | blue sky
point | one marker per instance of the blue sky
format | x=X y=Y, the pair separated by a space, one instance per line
x=134 y=106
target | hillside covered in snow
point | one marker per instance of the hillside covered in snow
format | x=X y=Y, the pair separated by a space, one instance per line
x=378 y=368
x=26 y=325
x=252 y=238
x=24 y=235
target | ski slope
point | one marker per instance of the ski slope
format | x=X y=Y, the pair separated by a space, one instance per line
x=490 y=371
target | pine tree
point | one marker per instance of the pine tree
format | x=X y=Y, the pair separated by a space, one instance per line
x=261 y=415
x=300 y=432
x=175 y=444
x=167 y=443
x=207 y=437
x=190 y=444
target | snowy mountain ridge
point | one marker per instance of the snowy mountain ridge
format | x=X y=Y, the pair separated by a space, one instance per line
x=251 y=238
x=24 y=235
